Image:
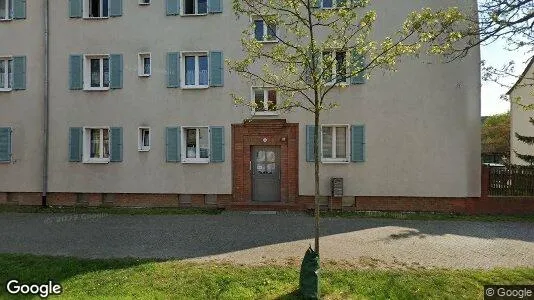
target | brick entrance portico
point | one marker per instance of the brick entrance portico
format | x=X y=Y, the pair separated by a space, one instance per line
x=264 y=133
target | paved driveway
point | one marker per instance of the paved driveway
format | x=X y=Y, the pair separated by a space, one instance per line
x=254 y=239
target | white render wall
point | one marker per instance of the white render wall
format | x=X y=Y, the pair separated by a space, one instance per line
x=422 y=123
x=520 y=119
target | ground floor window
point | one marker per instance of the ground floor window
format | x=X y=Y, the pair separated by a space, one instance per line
x=195 y=144
x=334 y=143
x=96 y=144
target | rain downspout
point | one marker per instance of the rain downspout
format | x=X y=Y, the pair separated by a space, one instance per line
x=46 y=117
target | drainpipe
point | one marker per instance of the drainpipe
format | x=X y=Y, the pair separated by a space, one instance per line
x=46 y=117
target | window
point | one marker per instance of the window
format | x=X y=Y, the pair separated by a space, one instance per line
x=144 y=2
x=334 y=3
x=264 y=32
x=145 y=65
x=6 y=74
x=5 y=9
x=195 y=70
x=334 y=143
x=265 y=101
x=96 y=145
x=96 y=72
x=195 y=7
x=96 y=8
x=335 y=63
x=144 y=139
x=195 y=144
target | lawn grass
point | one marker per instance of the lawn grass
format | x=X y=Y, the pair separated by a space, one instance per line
x=109 y=210
x=427 y=216
x=143 y=279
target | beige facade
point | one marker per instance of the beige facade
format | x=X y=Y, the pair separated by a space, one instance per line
x=422 y=122
x=519 y=116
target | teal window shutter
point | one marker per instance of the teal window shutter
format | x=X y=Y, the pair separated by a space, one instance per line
x=75 y=8
x=5 y=144
x=357 y=62
x=75 y=144
x=357 y=137
x=217 y=144
x=173 y=70
x=115 y=8
x=76 y=72
x=216 y=68
x=19 y=72
x=173 y=144
x=215 y=6
x=19 y=9
x=115 y=69
x=310 y=138
x=116 y=144
x=173 y=7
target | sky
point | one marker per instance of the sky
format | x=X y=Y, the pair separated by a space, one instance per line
x=495 y=55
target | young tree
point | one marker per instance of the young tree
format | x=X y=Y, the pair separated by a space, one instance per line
x=496 y=135
x=529 y=140
x=318 y=49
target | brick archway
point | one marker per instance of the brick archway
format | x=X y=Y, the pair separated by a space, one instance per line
x=264 y=133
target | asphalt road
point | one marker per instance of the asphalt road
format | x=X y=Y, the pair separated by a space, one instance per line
x=283 y=238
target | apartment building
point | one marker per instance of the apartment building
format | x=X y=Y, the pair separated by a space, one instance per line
x=140 y=114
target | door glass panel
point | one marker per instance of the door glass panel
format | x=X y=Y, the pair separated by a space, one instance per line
x=341 y=142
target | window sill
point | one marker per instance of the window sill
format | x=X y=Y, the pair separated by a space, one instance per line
x=268 y=41
x=333 y=161
x=5 y=162
x=90 y=89
x=265 y=113
x=196 y=161
x=194 y=15
x=95 y=18
x=5 y=20
x=144 y=75
x=96 y=161
x=195 y=87
x=144 y=4
x=6 y=90
x=144 y=149
x=340 y=84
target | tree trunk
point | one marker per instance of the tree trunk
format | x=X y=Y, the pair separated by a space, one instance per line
x=317 y=187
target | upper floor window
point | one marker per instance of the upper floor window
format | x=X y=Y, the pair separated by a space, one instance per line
x=144 y=139
x=5 y=9
x=195 y=144
x=195 y=70
x=264 y=31
x=333 y=3
x=97 y=8
x=97 y=72
x=335 y=67
x=334 y=143
x=6 y=74
x=195 y=7
x=144 y=66
x=265 y=100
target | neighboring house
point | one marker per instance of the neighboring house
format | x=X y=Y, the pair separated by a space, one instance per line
x=141 y=114
x=521 y=92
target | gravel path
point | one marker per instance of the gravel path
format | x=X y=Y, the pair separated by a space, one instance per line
x=265 y=239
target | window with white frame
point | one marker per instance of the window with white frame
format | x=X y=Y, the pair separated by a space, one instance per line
x=6 y=74
x=264 y=100
x=144 y=139
x=195 y=7
x=334 y=3
x=96 y=71
x=195 y=144
x=96 y=8
x=5 y=9
x=145 y=64
x=96 y=145
x=144 y=2
x=195 y=70
x=335 y=67
x=334 y=143
x=264 y=31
